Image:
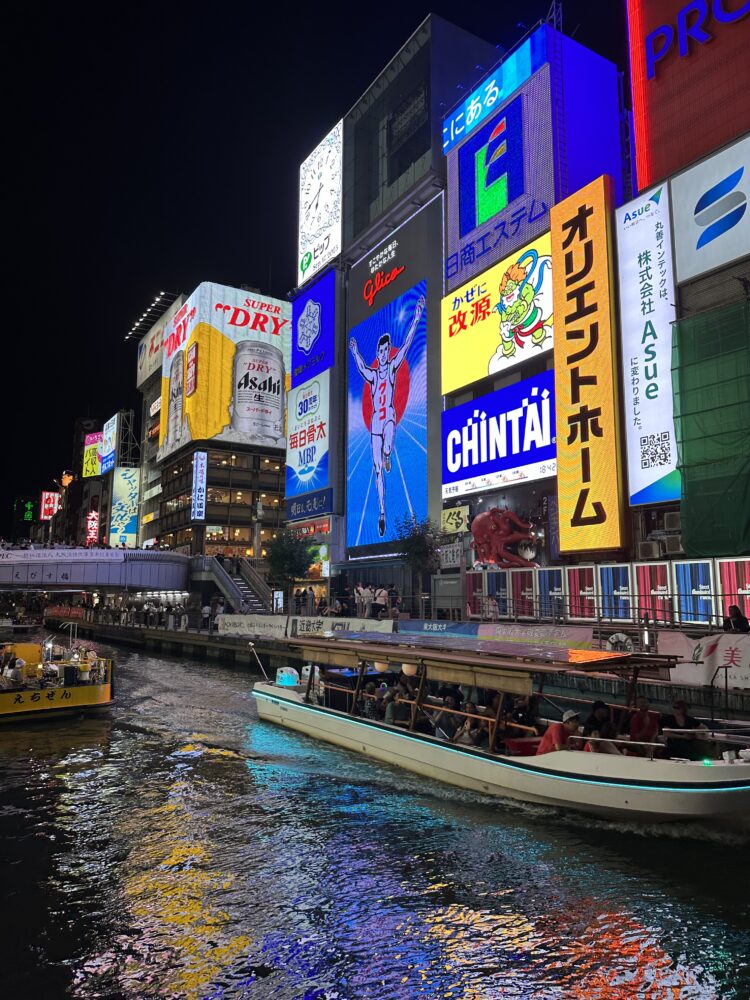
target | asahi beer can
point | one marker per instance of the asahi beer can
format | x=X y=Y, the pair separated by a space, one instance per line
x=176 y=382
x=258 y=397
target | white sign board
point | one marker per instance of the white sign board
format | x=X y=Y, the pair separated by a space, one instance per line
x=700 y=659
x=301 y=626
x=647 y=310
x=319 y=229
x=198 y=502
x=268 y=626
x=709 y=207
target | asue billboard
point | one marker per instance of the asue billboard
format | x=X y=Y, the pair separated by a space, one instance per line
x=225 y=358
x=690 y=76
x=501 y=439
x=647 y=311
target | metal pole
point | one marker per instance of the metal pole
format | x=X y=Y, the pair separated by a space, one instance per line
x=257 y=659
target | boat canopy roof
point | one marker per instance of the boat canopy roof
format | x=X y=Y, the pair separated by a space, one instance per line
x=489 y=663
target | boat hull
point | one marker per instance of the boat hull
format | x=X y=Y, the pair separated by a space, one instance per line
x=55 y=702
x=600 y=784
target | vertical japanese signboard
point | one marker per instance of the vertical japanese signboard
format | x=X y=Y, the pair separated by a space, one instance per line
x=109 y=443
x=198 y=500
x=92 y=455
x=49 y=506
x=320 y=216
x=308 y=436
x=647 y=310
x=589 y=479
x=123 y=525
x=313 y=328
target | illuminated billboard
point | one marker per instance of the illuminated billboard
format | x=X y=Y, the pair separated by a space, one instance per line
x=49 y=506
x=504 y=438
x=501 y=182
x=387 y=419
x=647 y=311
x=690 y=75
x=92 y=457
x=313 y=329
x=149 y=348
x=320 y=215
x=198 y=497
x=499 y=319
x=109 y=443
x=709 y=209
x=225 y=358
x=589 y=486
x=123 y=523
x=308 y=433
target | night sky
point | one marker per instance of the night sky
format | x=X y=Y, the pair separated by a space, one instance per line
x=156 y=146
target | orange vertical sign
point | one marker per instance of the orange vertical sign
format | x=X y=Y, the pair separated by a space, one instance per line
x=589 y=475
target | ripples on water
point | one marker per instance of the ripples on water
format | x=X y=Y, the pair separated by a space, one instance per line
x=181 y=848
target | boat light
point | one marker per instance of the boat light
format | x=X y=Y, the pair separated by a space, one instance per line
x=410 y=669
x=707 y=762
x=380 y=666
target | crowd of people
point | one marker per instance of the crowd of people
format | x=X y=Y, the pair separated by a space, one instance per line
x=365 y=601
x=488 y=719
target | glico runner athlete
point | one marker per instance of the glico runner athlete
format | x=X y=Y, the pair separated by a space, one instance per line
x=382 y=380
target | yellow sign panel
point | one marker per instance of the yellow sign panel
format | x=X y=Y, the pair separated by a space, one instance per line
x=454 y=519
x=92 y=465
x=589 y=475
x=499 y=319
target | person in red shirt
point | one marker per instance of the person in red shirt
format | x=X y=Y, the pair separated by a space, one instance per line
x=557 y=735
x=644 y=726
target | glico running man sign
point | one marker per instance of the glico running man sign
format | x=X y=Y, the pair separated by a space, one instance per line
x=387 y=419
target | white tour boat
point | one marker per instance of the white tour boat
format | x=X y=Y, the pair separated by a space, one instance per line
x=613 y=785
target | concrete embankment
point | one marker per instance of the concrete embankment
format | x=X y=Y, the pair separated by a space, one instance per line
x=274 y=653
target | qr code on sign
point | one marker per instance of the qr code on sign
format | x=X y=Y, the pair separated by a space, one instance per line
x=655 y=450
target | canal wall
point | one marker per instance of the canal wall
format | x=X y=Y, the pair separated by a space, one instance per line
x=275 y=653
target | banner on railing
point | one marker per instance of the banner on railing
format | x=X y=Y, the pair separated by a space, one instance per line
x=573 y=636
x=438 y=628
x=60 y=555
x=701 y=658
x=301 y=626
x=266 y=626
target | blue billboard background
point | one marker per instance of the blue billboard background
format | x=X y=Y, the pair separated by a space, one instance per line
x=405 y=483
x=467 y=422
x=694 y=591
x=313 y=329
x=615 y=593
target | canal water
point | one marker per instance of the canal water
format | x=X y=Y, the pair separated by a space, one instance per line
x=181 y=848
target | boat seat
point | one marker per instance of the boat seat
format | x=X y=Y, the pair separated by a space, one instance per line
x=522 y=746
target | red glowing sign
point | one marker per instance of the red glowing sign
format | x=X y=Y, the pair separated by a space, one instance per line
x=49 y=506
x=690 y=75
x=92 y=527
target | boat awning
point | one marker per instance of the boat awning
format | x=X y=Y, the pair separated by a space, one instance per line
x=508 y=666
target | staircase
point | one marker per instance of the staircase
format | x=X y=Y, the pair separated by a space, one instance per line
x=251 y=603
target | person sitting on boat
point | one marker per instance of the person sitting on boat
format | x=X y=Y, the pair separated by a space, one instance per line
x=445 y=722
x=600 y=727
x=644 y=727
x=525 y=711
x=679 y=743
x=558 y=734
x=16 y=674
x=471 y=731
x=397 y=712
x=368 y=705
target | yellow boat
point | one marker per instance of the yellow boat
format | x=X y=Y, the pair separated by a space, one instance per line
x=44 y=688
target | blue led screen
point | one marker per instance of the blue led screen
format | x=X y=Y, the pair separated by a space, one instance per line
x=313 y=329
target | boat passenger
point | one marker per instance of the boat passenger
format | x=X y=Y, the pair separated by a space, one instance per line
x=680 y=744
x=558 y=734
x=445 y=722
x=598 y=716
x=369 y=702
x=525 y=711
x=397 y=712
x=16 y=674
x=644 y=726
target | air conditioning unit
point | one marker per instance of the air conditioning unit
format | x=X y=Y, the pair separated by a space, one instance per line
x=649 y=550
x=673 y=521
x=673 y=544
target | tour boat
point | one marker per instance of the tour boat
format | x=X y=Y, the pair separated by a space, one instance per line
x=77 y=684
x=616 y=786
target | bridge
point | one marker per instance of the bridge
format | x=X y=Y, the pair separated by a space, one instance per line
x=90 y=569
x=133 y=570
